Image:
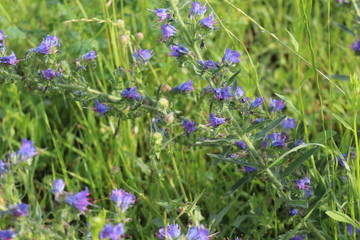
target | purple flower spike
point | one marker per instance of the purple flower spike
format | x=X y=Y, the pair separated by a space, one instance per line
x=161 y=13
x=21 y=210
x=113 y=232
x=303 y=183
x=277 y=139
x=216 y=121
x=249 y=169
x=298 y=237
x=241 y=144
x=257 y=102
x=48 y=45
x=143 y=55
x=198 y=233
x=209 y=21
x=356 y=46
x=288 y=123
x=189 y=126
x=100 y=108
x=172 y=231
x=131 y=93
x=239 y=92
x=197 y=10
x=293 y=212
x=79 y=200
x=122 y=199
x=168 y=31
x=27 y=149
x=89 y=56
x=276 y=105
x=58 y=186
x=7 y=234
x=185 y=87
x=49 y=74
x=177 y=51
x=9 y=60
x=207 y=64
x=222 y=94
x=231 y=57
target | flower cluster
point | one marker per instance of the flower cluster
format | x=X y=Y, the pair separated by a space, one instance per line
x=173 y=231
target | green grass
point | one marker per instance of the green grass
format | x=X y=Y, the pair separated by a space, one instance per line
x=82 y=147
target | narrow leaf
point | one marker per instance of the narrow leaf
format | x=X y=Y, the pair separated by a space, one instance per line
x=289 y=103
x=342 y=217
x=293 y=41
x=269 y=127
x=232 y=78
x=237 y=185
x=346 y=125
x=220 y=215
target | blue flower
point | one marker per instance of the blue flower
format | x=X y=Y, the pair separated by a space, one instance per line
x=303 y=183
x=89 y=56
x=9 y=60
x=49 y=74
x=257 y=102
x=207 y=64
x=2 y=38
x=351 y=228
x=259 y=120
x=222 y=94
x=143 y=55
x=79 y=200
x=131 y=93
x=189 y=126
x=288 y=123
x=241 y=144
x=277 y=139
x=356 y=46
x=58 y=186
x=114 y=232
x=216 y=121
x=185 y=87
x=239 y=92
x=197 y=10
x=7 y=234
x=209 y=21
x=276 y=105
x=168 y=31
x=122 y=199
x=293 y=212
x=172 y=231
x=161 y=13
x=20 y=210
x=27 y=149
x=231 y=57
x=2 y=167
x=48 y=45
x=198 y=233
x=177 y=51
x=100 y=108
x=298 y=237
x=249 y=169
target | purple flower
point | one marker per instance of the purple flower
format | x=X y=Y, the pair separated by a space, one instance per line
x=131 y=93
x=257 y=102
x=161 y=13
x=2 y=38
x=100 y=108
x=288 y=123
x=189 y=126
x=216 y=121
x=249 y=169
x=49 y=74
x=241 y=144
x=185 y=87
x=209 y=21
x=293 y=212
x=79 y=200
x=122 y=199
x=168 y=31
x=114 y=232
x=239 y=92
x=231 y=56
x=207 y=64
x=143 y=55
x=198 y=233
x=276 y=105
x=298 y=237
x=58 y=186
x=222 y=94
x=89 y=56
x=303 y=183
x=277 y=139
x=177 y=51
x=7 y=234
x=197 y=10
x=259 y=120
x=356 y=46
x=351 y=228
x=48 y=45
x=27 y=149
x=299 y=142
x=9 y=60
x=20 y=210
x=172 y=231
x=2 y=167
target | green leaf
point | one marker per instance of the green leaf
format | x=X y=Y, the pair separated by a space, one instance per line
x=224 y=158
x=269 y=127
x=298 y=161
x=289 y=103
x=220 y=216
x=343 y=27
x=232 y=78
x=293 y=41
x=258 y=125
x=238 y=184
x=342 y=217
x=324 y=136
x=346 y=125
x=297 y=203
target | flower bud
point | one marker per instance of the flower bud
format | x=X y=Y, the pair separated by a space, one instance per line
x=165 y=88
x=120 y=23
x=170 y=118
x=139 y=36
x=163 y=103
x=157 y=138
x=124 y=40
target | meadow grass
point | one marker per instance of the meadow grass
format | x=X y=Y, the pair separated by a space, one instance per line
x=289 y=48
